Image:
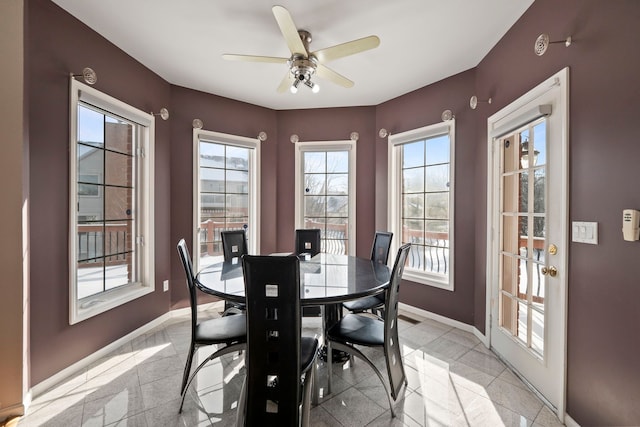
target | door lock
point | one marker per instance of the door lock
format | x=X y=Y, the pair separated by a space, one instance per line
x=551 y=271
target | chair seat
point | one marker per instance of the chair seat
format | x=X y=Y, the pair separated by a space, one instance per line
x=308 y=349
x=222 y=330
x=359 y=330
x=366 y=303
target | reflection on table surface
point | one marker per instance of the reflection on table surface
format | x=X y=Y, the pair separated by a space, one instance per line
x=324 y=278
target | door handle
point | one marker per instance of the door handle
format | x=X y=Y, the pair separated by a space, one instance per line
x=551 y=271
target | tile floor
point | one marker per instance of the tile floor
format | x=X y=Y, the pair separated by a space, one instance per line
x=453 y=381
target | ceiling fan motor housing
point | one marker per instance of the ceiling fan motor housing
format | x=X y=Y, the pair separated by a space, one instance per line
x=303 y=68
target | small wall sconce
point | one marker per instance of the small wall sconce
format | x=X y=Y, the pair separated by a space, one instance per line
x=383 y=133
x=473 y=102
x=197 y=124
x=294 y=138
x=447 y=115
x=542 y=43
x=88 y=75
x=354 y=136
x=262 y=136
x=164 y=114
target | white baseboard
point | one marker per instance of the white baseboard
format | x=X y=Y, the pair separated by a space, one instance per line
x=57 y=378
x=569 y=422
x=442 y=319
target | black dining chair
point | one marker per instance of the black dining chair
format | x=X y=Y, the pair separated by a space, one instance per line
x=229 y=334
x=379 y=254
x=280 y=364
x=308 y=241
x=363 y=330
x=234 y=245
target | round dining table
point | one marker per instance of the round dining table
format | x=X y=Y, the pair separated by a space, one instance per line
x=325 y=279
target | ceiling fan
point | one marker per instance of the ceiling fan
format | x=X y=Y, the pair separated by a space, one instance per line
x=302 y=63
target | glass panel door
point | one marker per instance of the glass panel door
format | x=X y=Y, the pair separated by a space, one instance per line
x=522 y=224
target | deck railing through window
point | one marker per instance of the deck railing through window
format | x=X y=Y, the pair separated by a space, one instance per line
x=97 y=244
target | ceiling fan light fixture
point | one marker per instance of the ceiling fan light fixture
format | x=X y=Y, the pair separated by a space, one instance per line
x=311 y=85
x=294 y=86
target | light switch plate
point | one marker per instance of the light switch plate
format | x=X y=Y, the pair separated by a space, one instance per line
x=165 y=286
x=584 y=232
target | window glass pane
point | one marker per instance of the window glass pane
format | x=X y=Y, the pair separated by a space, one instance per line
x=212 y=180
x=211 y=155
x=523 y=196
x=413 y=180
x=437 y=205
x=314 y=206
x=212 y=205
x=338 y=206
x=438 y=150
x=413 y=206
x=315 y=162
x=237 y=205
x=338 y=184
x=437 y=178
x=315 y=183
x=538 y=191
x=90 y=126
x=237 y=158
x=413 y=154
x=118 y=203
x=540 y=143
x=118 y=169
x=237 y=181
x=337 y=162
x=118 y=135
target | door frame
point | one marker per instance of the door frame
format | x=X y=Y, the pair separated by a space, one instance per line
x=501 y=120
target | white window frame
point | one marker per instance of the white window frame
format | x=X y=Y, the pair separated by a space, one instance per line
x=145 y=242
x=350 y=146
x=395 y=143
x=253 y=144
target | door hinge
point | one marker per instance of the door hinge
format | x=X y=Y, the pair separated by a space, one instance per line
x=140 y=240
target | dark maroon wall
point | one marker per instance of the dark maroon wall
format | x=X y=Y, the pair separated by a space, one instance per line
x=57 y=45
x=330 y=124
x=414 y=110
x=226 y=116
x=603 y=319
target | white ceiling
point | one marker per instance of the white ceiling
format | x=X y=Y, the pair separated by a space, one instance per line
x=421 y=42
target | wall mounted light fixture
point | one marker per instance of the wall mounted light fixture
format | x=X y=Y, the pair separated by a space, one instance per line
x=542 y=43
x=164 y=114
x=88 y=75
x=473 y=102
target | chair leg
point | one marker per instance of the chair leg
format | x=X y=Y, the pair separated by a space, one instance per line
x=187 y=367
x=329 y=366
x=242 y=403
x=306 y=395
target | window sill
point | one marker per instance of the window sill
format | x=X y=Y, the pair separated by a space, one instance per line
x=424 y=279
x=97 y=304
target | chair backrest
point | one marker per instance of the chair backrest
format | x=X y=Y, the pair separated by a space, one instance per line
x=272 y=289
x=381 y=245
x=308 y=241
x=185 y=258
x=392 y=349
x=234 y=244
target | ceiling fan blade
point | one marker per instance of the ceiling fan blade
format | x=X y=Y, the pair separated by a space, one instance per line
x=252 y=58
x=345 y=49
x=289 y=30
x=329 y=74
x=285 y=83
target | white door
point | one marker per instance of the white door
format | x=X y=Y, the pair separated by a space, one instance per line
x=528 y=208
